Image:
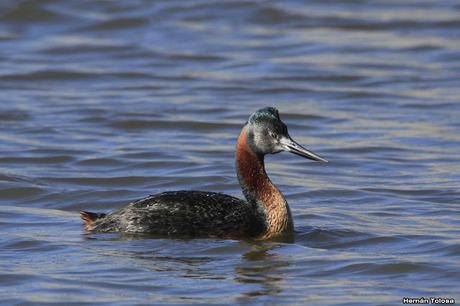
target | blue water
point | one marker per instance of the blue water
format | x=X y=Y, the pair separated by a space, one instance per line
x=104 y=102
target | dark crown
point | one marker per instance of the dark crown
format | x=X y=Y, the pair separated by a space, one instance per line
x=264 y=114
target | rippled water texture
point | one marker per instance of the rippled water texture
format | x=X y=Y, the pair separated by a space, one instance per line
x=103 y=102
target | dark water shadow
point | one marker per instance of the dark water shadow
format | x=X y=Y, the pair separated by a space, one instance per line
x=253 y=263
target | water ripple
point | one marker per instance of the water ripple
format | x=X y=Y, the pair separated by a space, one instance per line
x=106 y=102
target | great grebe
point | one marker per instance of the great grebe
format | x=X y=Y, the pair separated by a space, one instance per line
x=265 y=215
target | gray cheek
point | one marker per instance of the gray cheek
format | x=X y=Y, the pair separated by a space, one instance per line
x=278 y=148
x=262 y=144
x=258 y=140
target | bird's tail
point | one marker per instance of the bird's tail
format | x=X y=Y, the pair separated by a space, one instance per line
x=89 y=218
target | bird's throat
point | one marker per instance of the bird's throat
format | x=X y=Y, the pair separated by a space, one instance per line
x=260 y=191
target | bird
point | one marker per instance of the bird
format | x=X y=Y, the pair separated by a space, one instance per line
x=265 y=215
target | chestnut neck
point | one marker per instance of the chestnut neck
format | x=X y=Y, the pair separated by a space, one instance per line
x=260 y=191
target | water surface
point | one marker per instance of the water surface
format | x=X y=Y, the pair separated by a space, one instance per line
x=105 y=102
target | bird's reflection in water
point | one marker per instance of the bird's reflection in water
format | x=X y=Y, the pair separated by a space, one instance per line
x=261 y=267
x=251 y=269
